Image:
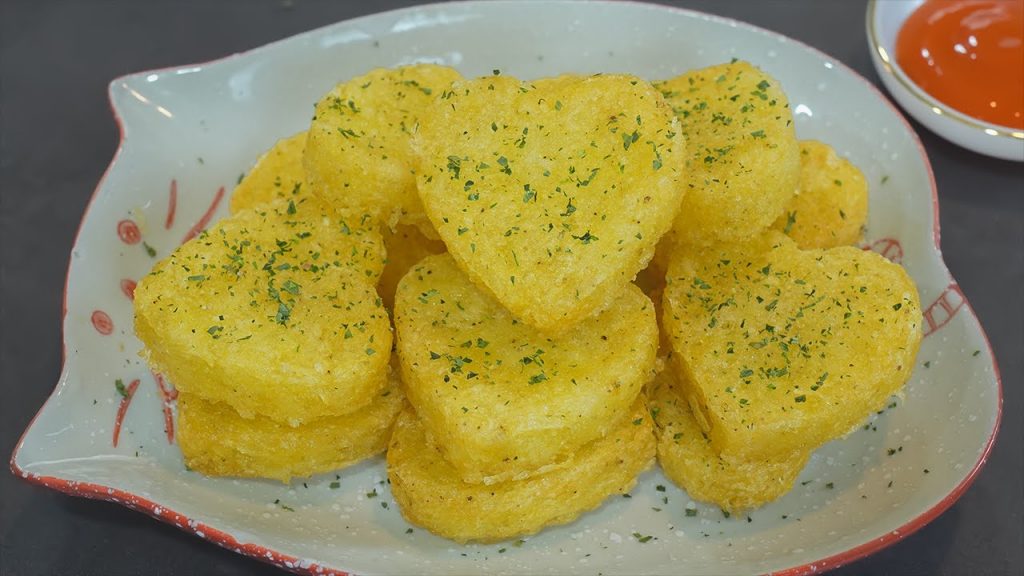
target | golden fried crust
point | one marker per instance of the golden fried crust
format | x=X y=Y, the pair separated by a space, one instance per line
x=358 y=154
x=551 y=194
x=272 y=311
x=744 y=162
x=831 y=206
x=431 y=494
x=689 y=460
x=217 y=441
x=501 y=400
x=277 y=174
x=783 y=349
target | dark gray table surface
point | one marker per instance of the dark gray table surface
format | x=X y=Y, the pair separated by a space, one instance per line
x=57 y=136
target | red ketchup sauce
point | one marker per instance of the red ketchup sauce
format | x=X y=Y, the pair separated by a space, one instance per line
x=968 y=54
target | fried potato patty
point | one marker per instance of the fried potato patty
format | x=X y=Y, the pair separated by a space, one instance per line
x=272 y=311
x=783 y=349
x=744 y=161
x=217 y=441
x=358 y=154
x=831 y=205
x=551 y=194
x=688 y=458
x=277 y=174
x=431 y=493
x=498 y=398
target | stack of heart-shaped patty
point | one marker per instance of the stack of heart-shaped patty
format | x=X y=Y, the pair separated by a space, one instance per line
x=524 y=350
x=270 y=327
x=779 y=340
x=776 y=350
x=270 y=323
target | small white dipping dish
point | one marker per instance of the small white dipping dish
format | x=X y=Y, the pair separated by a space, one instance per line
x=884 y=20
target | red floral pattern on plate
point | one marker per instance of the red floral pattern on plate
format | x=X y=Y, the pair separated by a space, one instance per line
x=129 y=233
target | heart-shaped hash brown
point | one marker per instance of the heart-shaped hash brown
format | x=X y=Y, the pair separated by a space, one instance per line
x=431 y=494
x=277 y=174
x=551 y=194
x=743 y=155
x=216 y=441
x=688 y=459
x=501 y=400
x=831 y=205
x=783 y=349
x=272 y=311
x=358 y=155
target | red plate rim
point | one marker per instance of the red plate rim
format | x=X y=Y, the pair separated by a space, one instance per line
x=293 y=564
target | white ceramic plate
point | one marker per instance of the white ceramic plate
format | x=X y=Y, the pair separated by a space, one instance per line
x=884 y=20
x=189 y=132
